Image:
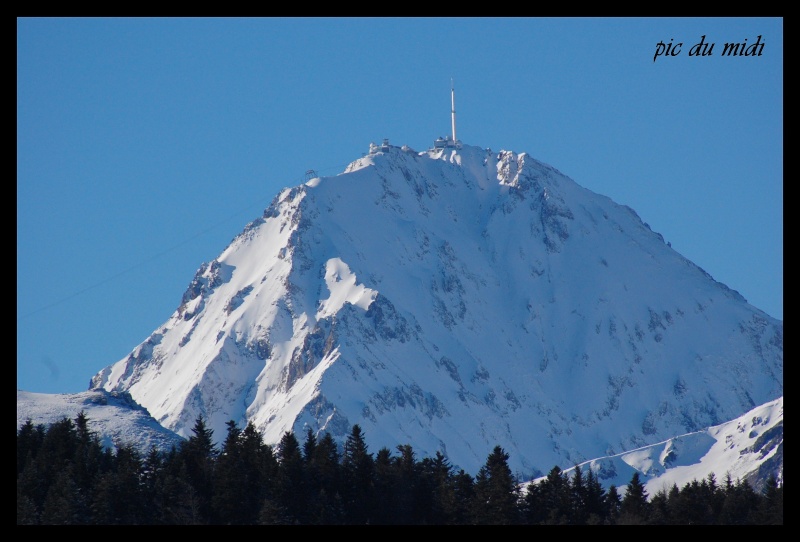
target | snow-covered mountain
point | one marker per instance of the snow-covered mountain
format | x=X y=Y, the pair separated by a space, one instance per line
x=456 y=299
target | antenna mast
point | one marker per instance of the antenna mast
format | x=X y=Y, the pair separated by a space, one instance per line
x=453 y=109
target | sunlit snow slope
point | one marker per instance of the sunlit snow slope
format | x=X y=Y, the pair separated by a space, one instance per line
x=748 y=448
x=114 y=417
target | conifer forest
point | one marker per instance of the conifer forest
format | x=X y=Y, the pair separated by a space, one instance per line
x=65 y=476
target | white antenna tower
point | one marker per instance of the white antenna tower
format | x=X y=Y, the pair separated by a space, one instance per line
x=453 y=109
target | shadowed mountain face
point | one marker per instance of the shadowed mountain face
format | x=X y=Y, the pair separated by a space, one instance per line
x=456 y=299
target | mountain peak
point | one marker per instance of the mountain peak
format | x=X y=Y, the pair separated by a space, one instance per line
x=455 y=299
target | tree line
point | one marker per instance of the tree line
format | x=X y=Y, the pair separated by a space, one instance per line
x=65 y=476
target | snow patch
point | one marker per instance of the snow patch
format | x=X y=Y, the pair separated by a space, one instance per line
x=343 y=288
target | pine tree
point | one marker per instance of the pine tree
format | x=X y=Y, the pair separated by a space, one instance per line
x=310 y=445
x=578 y=493
x=414 y=497
x=715 y=498
x=595 y=501
x=330 y=510
x=199 y=453
x=152 y=465
x=260 y=467
x=118 y=498
x=693 y=506
x=386 y=483
x=613 y=504
x=32 y=485
x=90 y=462
x=659 y=508
x=180 y=502
x=55 y=491
x=496 y=493
x=464 y=490
x=673 y=505
x=290 y=484
x=29 y=442
x=325 y=507
x=770 y=510
x=26 y=509
x=438 y=481
x=60 y=504
x=634 y=504
x=357 y=471
x=230 y=477
x=739 y=503
x=555 y=498
x=532 y=508
x=699 y=502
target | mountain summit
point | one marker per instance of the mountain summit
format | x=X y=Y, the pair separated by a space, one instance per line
x=455 y=299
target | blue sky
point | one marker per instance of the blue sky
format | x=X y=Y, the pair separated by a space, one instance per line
x=145 y=145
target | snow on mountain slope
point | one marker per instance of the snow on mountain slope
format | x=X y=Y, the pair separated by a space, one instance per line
x=456 y=299
x=749 y=448
x=115 y=417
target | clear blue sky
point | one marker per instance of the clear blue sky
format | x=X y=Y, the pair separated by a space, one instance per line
x=145 y=145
